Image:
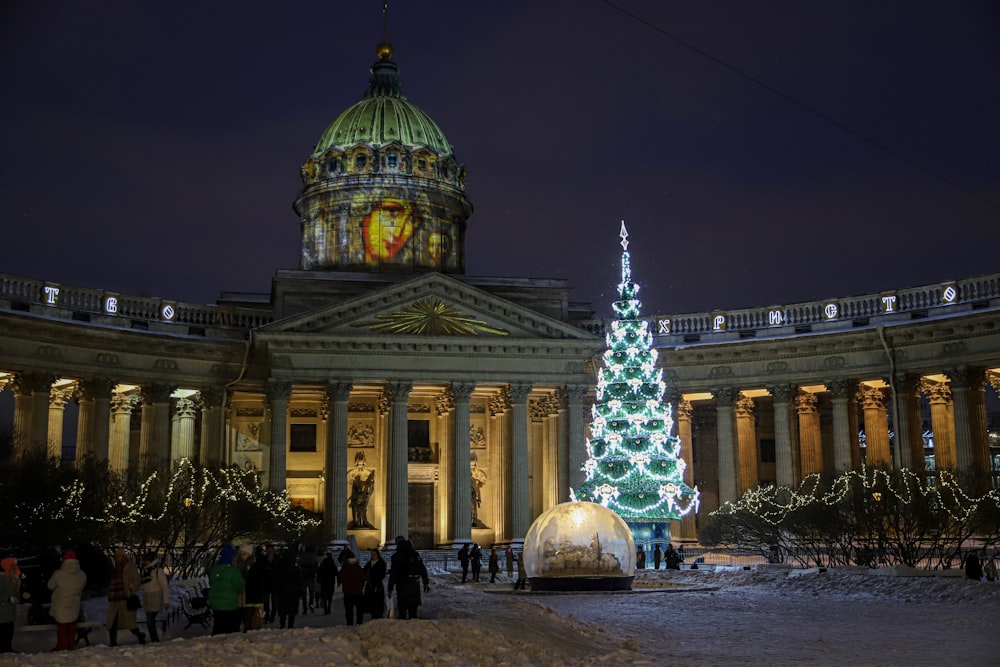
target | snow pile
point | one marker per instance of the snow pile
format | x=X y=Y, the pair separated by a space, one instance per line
x=768 y=616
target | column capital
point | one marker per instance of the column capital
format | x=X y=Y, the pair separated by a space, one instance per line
x=445 y=401
x=185 y=407
x=60 y=396
x=338 y=390
x=966 y=377
x=724 y=397
x=575 y=393
x=937 y=392
x=805 y=403
x=33 y=382
x=463 y=391
x=840 y=388
x=782 y=393
x=744 y=406
x=399 y=390
x=278 y=390
x=98 y=387
x=519 y=392
x=122 y=403
x=684 y=410
x=156 y=392
x=871 y=397
x=212 y=397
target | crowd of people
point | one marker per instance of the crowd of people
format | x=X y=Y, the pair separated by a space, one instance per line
x=247 y=588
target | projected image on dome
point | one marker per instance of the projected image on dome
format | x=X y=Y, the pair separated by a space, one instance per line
x=395 y=227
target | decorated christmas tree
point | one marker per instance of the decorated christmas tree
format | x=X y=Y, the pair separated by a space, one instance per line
x=633 y=462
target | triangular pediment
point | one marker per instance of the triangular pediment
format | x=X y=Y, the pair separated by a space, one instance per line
x=429 y=305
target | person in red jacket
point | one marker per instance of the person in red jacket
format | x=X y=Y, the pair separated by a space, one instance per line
x=352 y=581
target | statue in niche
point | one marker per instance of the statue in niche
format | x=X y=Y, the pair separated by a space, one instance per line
x=362 y=486
x=478 y=482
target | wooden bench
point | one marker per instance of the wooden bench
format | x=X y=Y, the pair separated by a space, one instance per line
x=83 y=629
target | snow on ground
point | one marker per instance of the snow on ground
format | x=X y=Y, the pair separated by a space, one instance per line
x=764 y=616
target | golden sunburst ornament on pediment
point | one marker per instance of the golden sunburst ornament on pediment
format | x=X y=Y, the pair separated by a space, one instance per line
x=430 y=317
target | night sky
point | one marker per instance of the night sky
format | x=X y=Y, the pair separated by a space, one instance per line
x=155 y=147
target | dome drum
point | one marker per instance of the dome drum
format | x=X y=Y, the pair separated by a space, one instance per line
x=389 y=224
x=337 y=163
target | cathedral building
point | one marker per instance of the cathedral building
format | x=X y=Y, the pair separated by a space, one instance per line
x=393 y=394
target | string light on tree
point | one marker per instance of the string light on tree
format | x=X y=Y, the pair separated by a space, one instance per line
x=633 y=464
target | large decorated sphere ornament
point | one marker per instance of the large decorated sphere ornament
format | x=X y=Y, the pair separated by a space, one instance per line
x=579 y=546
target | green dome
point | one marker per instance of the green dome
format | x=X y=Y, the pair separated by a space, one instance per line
x=384 y=117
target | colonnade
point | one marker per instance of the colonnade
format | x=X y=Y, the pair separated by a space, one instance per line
x=869 y=420
x=536 y=440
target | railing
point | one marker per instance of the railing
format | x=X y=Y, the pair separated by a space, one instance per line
x=68 y=302
x=826 y=315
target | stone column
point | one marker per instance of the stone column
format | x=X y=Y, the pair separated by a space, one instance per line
x=729 y=480
x=461 y=480
x=444 y=406
x=784 y=467
x=122 y=406
x=154 y=441
x=31 y=411
x=873 y=402
x=844 y=431
x=685 y=433
x=183 y=446
x=909 y=435
x=939 y=396
x=520 y=501
x=92 y=430
x=335 y=491
x=278 y=392
x=972 y=453
x=212 y=450
x=575 y=394
x=746 y=434
x=58 y=398
x=810 y=436
x=398 y=491
x=500 y=408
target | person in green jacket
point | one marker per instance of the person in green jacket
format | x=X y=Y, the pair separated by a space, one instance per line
x=225 y=582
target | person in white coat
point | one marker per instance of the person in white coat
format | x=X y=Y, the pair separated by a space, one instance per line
x=67 y=585
x=155 y=592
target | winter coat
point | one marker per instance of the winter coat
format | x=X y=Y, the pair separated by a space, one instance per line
x=288 y=586
x=256 y=578
x=375 y=596
x=155 y=589
x=352 y=578
x=494 y=562
x=405 y=573
x=125 y=582
x=327 y=577
x=10 y=596
x=225 y=585
x=67 y=585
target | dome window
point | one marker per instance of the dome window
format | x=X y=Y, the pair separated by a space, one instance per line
x=392 y=161
x=331 y=165
x=422 y=164
x=360 y=161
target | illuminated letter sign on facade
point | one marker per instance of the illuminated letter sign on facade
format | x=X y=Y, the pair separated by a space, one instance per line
x=889 y=303
x=775 y=317
x=167 y=311
x=663 y=326
x=51 y=295
x=949 y=293
x=719 y=322
x=111 y=305
x=831 y=311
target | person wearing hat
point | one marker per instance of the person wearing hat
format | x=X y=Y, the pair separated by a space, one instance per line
x=225 y=582
x=125 y=583
x=10 y=596
x=155 y=592
x=66 y=585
